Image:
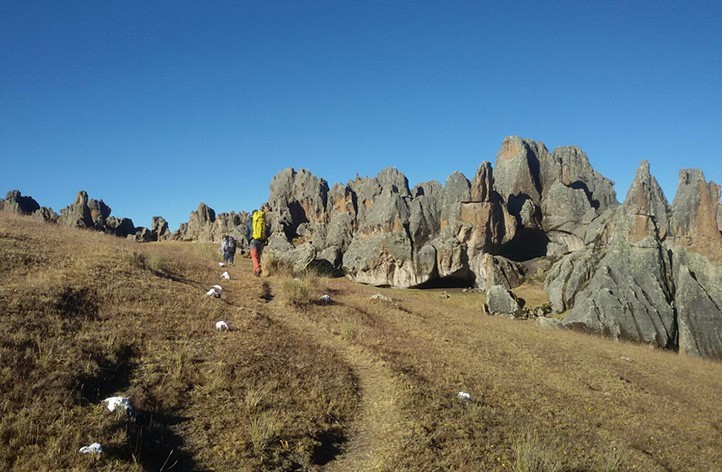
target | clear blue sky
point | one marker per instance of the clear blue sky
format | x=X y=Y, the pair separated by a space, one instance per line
x=156 y=106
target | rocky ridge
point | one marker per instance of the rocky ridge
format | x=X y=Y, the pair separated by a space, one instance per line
x=642 y=271
x=86 y=213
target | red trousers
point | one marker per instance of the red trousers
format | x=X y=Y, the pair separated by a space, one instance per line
x=256 y=257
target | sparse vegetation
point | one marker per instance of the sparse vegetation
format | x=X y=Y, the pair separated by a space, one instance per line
x=296 y=292
x=296 y=384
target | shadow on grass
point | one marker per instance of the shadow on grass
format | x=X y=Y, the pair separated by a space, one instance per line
x=329 y=446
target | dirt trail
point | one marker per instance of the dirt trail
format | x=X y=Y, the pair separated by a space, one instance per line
x=378 y=429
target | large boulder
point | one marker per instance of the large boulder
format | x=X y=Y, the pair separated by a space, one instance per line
x=500 y=301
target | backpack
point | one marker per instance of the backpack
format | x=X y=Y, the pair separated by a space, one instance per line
x=259 y=225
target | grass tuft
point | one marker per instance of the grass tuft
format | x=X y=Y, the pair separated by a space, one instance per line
x=296 y=292
x=533 y=455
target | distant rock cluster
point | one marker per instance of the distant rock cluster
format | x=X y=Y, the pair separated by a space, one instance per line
x=86 y=213
x=204 y=225
x=643 y=271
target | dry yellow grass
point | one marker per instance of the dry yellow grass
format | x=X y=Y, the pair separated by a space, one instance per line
x=359 y=384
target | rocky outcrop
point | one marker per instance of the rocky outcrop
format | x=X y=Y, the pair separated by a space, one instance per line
x=18 y=203
x=160 y=229
x=554 y=196
x=78 y=213
x=643 y=275
x=694 y=216
x=381 y=232
x=204 y=225
x=89 y=213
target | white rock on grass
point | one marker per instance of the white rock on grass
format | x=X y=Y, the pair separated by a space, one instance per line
x=221 y=264
x=326 y=300
x=379 y=296
x=94 y=448
x=464 y=397
x=222 y=326
x=215 y=291
x=226 y=276
x=112 y=403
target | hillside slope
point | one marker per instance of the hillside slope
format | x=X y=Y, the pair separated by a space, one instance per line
x=358 y=384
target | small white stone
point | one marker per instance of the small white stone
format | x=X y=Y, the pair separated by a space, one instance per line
x=94 y=448
x=221 y=264
x=222 y=326
x=119 y=402
x=463 y=396
x=326 y=299
x=226 y=276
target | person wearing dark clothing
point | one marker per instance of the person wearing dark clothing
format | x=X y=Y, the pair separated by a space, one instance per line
x=228 y=247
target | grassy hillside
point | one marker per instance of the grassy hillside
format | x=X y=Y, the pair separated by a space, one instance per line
x=359 y=384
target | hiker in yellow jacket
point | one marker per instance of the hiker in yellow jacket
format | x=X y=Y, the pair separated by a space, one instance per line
x=259 y=234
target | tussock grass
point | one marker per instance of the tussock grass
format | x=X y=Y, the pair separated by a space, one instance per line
x=533 y=455
x=296 y=292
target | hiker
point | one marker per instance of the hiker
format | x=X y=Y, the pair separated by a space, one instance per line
x=258 y=232
x=228 y=247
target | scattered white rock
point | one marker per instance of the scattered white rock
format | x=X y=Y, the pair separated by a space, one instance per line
x=218 y=287
x=94 y=448
x=226 y=276
x=626 y=359
x=213 y=293
x=119 y=402
x=379 y=296
x=326 y=300
x=222 y=326
x=221 y=264
x=463 y=396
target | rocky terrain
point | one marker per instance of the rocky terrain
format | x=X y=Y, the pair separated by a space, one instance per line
x=643 y=270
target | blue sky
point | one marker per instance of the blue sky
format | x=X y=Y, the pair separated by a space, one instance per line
x=156 y=106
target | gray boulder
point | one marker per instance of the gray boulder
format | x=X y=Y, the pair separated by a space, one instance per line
x=122 y=227
x=698 y=301
x=45 y=215
x=496 y=271
x=500 y=301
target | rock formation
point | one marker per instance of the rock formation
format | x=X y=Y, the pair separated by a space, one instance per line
x=204 y=225
x=647 y=271
x=381 y=232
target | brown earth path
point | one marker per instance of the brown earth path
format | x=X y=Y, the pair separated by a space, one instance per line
x=377 y=431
